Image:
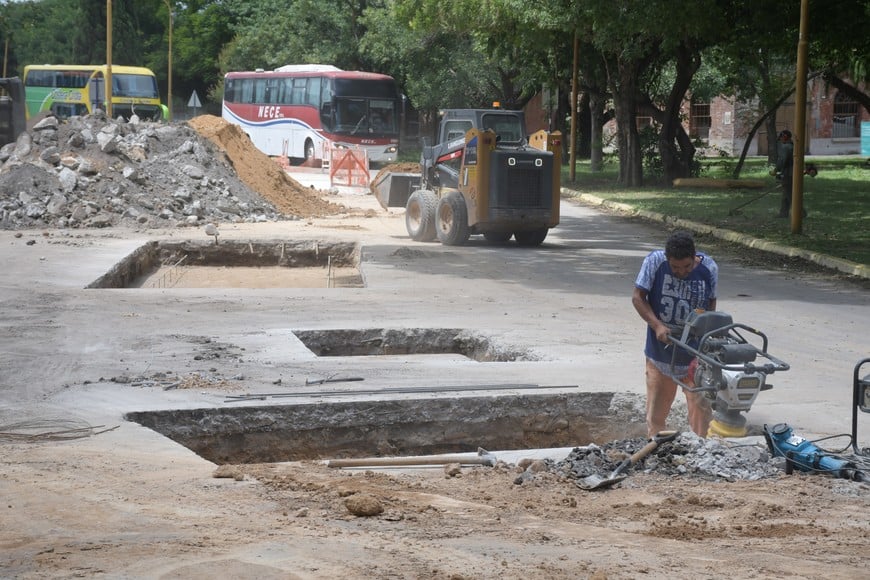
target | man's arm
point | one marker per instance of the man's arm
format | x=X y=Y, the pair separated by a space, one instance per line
x=642 y=305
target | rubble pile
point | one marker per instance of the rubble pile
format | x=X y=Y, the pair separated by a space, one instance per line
x=94 y=172
x=688 y=455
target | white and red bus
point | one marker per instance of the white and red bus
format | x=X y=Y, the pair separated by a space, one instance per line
x=301 y=111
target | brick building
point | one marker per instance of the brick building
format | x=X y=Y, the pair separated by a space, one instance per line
x=833 y=123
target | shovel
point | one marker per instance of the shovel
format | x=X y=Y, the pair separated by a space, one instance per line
x=595 y=481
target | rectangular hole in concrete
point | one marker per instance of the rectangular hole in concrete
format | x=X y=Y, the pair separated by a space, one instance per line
x=235 y=264
x=408 y=341
x=393 y=428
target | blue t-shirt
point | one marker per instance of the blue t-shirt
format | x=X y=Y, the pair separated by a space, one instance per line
x=673 y=299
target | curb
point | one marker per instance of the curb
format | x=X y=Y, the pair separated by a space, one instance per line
x=845 y=266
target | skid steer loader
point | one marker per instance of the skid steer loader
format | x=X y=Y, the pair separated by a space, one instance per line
x=482 y=177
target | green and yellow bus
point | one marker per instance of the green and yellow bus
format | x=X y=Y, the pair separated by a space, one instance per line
x=67 y=90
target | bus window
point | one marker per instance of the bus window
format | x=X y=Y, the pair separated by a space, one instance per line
x=271 y=95
x=260 y=91
x=246 y=95
x=298 y=97
x=312 y=93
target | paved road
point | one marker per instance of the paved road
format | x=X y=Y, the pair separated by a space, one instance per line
x=565 y=304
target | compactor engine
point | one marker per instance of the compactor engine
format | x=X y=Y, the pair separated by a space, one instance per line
x=728 y=371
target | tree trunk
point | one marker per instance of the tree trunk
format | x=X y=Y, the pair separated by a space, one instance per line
x=771 y=139
x=624 y=90
x=596 y=110
x=675 y=146
x=583 y=120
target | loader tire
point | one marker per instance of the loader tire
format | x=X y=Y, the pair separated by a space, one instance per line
x=531 y=238
x=420 y=215
x=451 y=223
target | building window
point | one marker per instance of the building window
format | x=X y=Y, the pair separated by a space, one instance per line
x=700 y=121
x=845 y=121
x=643 y=122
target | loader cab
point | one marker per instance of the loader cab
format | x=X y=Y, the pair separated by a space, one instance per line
x=455 y=129
x=509 y=126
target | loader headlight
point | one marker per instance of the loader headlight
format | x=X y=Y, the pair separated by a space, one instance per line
x=391 y=149
x=539 y=162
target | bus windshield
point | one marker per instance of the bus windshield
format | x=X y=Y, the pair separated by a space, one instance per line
x=128 y=85
x=365 y=107
x=361 y=116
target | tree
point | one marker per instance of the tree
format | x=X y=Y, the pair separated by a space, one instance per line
x=840 y=46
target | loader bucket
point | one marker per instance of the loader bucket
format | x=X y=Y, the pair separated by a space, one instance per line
x=394 y=189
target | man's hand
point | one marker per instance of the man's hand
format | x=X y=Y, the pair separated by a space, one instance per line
x=663 y=333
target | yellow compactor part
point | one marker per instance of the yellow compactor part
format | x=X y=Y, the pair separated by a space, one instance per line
x=719 y=429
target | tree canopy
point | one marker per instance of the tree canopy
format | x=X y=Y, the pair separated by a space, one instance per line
x=636 y=56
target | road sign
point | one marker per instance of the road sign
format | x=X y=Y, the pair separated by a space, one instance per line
x=194 y=101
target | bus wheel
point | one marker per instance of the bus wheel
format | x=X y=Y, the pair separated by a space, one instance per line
x=309 y=151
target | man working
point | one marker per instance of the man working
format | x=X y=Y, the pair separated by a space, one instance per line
x=671 y=284
x=784 y=169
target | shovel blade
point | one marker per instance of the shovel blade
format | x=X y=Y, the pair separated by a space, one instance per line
x=595 y=481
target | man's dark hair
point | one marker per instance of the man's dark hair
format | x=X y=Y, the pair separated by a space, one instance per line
x=680 y=246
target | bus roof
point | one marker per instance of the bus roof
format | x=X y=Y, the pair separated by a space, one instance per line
x=116 y=68
x=307 y=68
x=325 y=71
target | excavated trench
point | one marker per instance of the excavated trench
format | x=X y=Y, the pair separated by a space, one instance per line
x=395 y=427
x=402 y=426
x=409 y=341
x=234 y=264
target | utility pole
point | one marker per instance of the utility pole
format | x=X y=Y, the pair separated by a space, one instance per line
x=109 y=58
x=169 y=69
x=572 y=171
x=800 y=124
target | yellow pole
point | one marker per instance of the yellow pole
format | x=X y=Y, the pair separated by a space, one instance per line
x=572 y=171
x=800 y=124
x=109 y=58
x=169 y=70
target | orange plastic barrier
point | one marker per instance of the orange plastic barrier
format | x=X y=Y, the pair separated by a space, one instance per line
x=349 y=167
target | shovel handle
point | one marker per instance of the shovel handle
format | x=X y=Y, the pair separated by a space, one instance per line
x=658 y=439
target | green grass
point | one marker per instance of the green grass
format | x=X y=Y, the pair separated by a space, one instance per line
x=837 y=201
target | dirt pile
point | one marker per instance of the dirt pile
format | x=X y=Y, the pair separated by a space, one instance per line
x=260 y=173
x=93 y=172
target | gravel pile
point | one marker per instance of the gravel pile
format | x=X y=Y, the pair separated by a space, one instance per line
x=94 y=172
x=688 y=455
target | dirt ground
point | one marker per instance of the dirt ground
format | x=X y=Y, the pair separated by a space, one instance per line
x=135 y=517
x=87 y=494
